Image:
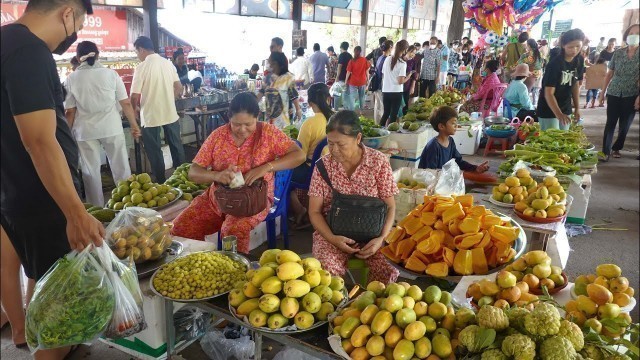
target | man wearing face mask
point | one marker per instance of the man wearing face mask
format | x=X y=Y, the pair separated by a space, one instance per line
x=430 y=68
x=39 y=158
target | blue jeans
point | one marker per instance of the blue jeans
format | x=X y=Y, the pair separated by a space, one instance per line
x=552 y=123
x=593 y=92
x=351 y=97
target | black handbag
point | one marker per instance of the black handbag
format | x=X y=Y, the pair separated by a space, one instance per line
x=360 y=218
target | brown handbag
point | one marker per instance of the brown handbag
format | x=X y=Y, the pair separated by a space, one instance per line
x=247 y=200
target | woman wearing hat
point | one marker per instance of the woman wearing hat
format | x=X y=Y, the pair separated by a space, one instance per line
x=517 y=93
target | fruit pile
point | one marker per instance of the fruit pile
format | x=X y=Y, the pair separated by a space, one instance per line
x=600 y=299
x=198 y=275
x=411 y=184
x=450 y=95
x=400 y=321
x=535 y=269
x=543 y=201
x=504 y=292
x=138 y=190
x=515 y=189
x=287 y=288
x=180 y=179
x=100 y=213
x=140 y=234
x=409 y=125
x=422 y=108
x=449 y=235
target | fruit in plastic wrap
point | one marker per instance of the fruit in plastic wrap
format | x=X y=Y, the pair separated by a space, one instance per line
x=140 y=234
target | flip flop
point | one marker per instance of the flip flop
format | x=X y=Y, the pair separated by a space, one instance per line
x=617 y=155
x=606 y=159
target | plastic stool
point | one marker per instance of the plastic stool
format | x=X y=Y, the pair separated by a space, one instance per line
x=358 y=264
x=491 y=141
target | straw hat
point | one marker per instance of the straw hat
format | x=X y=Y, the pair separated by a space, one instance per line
x=521 y=70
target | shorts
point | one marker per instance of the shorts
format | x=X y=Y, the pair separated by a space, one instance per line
x=301 y=173
x=39 y=240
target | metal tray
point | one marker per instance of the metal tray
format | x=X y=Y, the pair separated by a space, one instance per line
x=285 y=332
x=148 y=268
x=232 y=255
x=520 y=245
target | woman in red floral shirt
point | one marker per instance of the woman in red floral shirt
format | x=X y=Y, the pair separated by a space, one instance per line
x=236 y=147
x=353 y=169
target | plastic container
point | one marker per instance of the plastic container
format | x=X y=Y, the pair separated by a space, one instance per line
x=378 y=141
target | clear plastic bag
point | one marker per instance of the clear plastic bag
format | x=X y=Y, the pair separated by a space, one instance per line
x=190 y=323
x=290 y=353
x=217 y=347
x=450 y=181
x=128 y=316
x=138 y=233
x=72 y=304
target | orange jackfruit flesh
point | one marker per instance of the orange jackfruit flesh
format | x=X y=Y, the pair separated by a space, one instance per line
x=463 y=263
x=413 y=225
x=455 y=211
x=469 y=225
x=454 y=228
x=415 y=264
x=465 y=200
x=422 y=234
x=504 y=234
x=448 y=256
x=388 y=252
x=486 y=240
x=479 y=260
x=405 y=248
x=439 y=269
x=428 y=218
x=395 y=235
x=490 y=220
x=467 y=241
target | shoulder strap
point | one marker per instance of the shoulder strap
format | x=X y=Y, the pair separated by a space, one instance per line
x=323 y=172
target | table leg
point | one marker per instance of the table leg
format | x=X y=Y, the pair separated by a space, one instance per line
x=538 y=241
x=257 y=338
x=196 y=125
x=169 y=327
x=138 y=155
x=205 y=121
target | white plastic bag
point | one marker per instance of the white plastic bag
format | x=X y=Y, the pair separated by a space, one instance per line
x=450 y=181
x=337 y=88
x=290 y=353
x=217 y=347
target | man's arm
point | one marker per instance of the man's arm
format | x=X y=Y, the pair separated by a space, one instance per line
x=177 y=89
x=38 y=134
x=338 y=70
x=70 y=114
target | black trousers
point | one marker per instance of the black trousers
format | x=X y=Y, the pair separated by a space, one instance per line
x=406 y=96
x=391 y=103
x=152 y=146
x=427 y=85
x=619 y=109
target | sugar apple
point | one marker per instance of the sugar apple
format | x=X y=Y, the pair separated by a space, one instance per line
x=572 y=332
x=494 y=354
x=592 y=352
x=516 y=317
x=519 y=346
x=544 y=320
x=491 y=317
x=618 y=357
x=468 y=338
x=557 y=348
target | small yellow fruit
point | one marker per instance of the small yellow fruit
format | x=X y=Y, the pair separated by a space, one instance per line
x=621 y=299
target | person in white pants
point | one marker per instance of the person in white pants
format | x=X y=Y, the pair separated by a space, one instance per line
x=93 y=95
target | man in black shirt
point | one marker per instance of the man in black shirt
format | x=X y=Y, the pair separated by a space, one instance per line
x=373 y=56
x=181 y=67
x=41 y=211
x=343 y=61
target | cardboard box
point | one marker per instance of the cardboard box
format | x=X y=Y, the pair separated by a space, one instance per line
x=580 y=193
x=468 y=145
x=413 y=142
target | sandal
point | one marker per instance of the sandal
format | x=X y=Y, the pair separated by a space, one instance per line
x=605 y=159
x=616 y=154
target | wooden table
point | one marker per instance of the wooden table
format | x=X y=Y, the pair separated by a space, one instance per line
x=201 y=117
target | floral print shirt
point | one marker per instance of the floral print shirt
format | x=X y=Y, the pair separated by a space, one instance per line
x=625 y=74
x=281 y=90
x=535 y=66
x=332 y=69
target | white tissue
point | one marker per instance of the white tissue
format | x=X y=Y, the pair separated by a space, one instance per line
x=238 y=180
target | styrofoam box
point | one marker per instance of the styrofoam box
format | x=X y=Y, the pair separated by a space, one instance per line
x=413 y=142
x=409 y=159
x=468 y=145
x=580 y=193
x=258 y=235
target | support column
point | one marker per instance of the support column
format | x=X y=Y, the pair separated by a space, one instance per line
x=364 y=25
x=150 y=19
x=435 y=21
x=297 y=15
x=405 y=19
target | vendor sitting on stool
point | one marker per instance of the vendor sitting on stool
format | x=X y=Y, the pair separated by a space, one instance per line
x=518 y=95
x=442 y=148
x=230 y=148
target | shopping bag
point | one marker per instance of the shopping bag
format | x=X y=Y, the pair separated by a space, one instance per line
x=451 y=181
x=72 y=303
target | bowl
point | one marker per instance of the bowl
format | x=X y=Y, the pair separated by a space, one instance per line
x=496 y=120
x=378 y=141
x=500 y=133
x=536 y=291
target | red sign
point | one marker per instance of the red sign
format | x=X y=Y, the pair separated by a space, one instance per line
x=107 y=27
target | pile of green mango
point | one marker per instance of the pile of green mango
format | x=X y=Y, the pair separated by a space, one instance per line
x=180 y=179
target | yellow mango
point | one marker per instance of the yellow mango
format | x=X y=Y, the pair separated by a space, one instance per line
x=469 y=225
x=455 y=211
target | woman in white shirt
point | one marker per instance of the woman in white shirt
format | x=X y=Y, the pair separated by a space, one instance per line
x=94 y=93
x=394 y=73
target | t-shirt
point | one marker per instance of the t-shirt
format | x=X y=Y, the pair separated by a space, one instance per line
x=604 y=54
x=343 y=60
x=390 y=76
x=444 y=64
x=183 y=74
x=319 y=61
x=312 y=131
x=95 y=92
x=30 y=82
x=194 y=74
x=153 y=79
x=562 y=76
x=434 y=156
x=358 y=69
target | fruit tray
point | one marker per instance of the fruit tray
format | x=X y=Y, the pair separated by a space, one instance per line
x=520 y=245
x=555 y=290
x=232 y=255
x=291 y=329
x=540 y=220
x=500 y=203
x=148 y=268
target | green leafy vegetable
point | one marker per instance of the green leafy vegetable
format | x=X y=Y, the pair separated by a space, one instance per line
x=369 y=127
x=291 y=131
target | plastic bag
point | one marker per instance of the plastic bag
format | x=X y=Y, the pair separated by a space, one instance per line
x=190 y=323
x=217 y=347
x=451 y=181
x=72 y=304
x=128 y=316
x=337 y=88
x=290 y=353
x=140 y=233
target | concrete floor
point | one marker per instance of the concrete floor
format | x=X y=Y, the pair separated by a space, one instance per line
x=614 y=199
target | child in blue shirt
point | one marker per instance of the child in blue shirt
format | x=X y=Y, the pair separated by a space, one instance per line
x=442 y=148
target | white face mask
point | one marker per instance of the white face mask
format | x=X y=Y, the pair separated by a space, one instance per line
x=431 y=46
x=633 y=40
